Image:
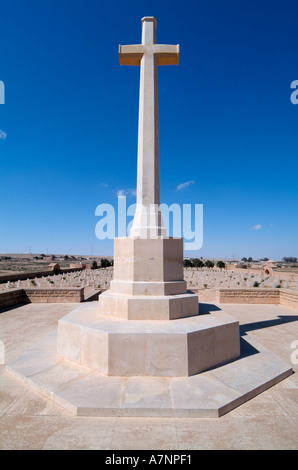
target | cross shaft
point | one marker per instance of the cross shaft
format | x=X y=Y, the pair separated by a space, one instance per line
x=148 y=55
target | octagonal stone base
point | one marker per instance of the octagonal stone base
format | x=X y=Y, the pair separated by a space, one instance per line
x=86 y=392
x=176 y=348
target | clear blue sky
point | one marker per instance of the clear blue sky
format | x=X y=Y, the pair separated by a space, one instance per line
x=69 y=123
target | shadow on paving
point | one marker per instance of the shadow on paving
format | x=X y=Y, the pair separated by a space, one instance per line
x=259 y=325
x=205 y=309
x=246 y=349
x=12 y=307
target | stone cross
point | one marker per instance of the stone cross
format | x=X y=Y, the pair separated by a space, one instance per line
x=148 y=222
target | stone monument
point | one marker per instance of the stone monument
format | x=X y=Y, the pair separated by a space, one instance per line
x=143 y=349
x=148 y=290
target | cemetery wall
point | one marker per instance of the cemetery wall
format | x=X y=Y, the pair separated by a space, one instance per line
x=34 y=274
x=248 y=296
x=289 y=298
x=52 y=295
x=12 y=297
x=286 y=297
x=255 y=271
x=284 y=275
x=202 y=297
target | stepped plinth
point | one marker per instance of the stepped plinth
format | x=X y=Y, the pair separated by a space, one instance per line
x=148 y=281
x=147 y=323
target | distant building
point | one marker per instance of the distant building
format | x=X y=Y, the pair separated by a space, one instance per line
x=269 y=268
x=55 y=267
x=75 y=265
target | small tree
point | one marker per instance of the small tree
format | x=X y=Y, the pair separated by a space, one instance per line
x=197 y=263
x=105 y=263
x=290 y=259
x=209 y=264
x=187 y=263
x=220 y=264
x=94 y=264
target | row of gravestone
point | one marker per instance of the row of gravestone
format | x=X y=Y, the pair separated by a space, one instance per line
x=223 y=279
x=196 y=279
x=90 y=278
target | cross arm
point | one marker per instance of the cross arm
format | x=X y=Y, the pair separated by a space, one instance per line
x=130 y=55
x=166 y=54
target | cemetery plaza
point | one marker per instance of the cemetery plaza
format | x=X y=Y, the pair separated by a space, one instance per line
x=30 y=420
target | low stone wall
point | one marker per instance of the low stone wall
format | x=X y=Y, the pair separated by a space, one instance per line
x=248 y=296
x=54 y=295
x=34 y=274
x=22 y=296
x=24 y=276
x=289 y=298
x=202 y=297
x=255 y=295
x=12 y=297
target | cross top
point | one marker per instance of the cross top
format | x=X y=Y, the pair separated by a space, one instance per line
x=164 y=53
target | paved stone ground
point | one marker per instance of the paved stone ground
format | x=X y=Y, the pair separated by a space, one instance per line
x=30 y=421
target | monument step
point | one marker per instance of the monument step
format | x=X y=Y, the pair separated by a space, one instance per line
x=148 y=288
x=148 y=307
x=118 y=347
